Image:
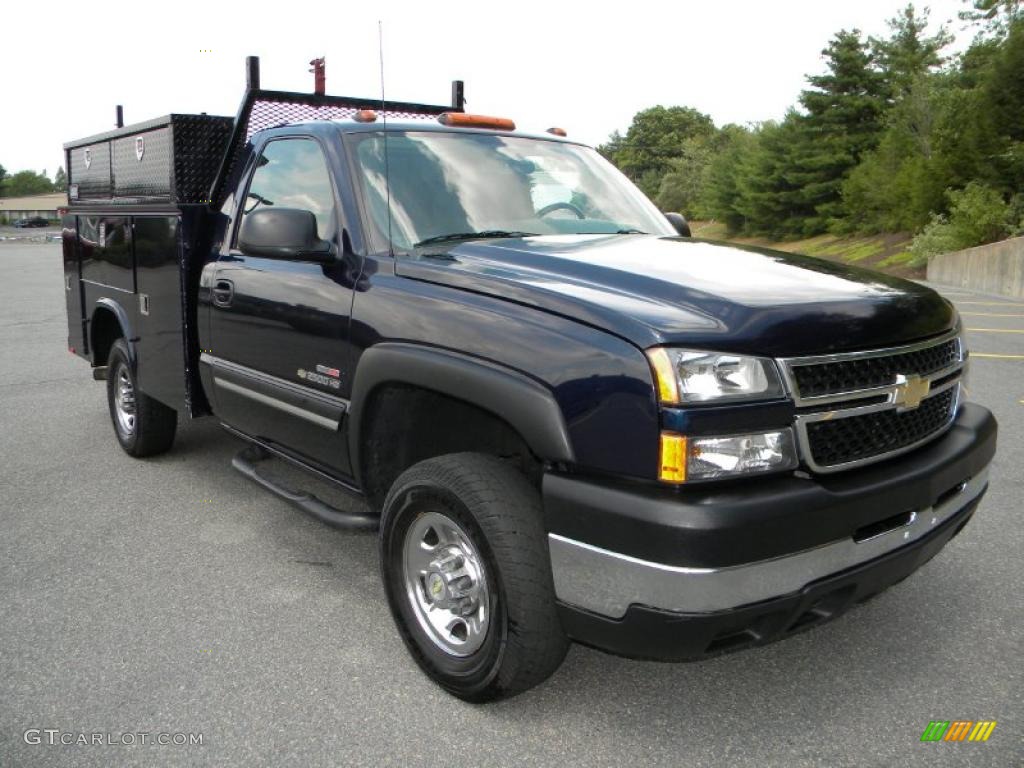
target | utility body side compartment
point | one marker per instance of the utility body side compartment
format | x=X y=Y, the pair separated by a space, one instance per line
x=132 y=236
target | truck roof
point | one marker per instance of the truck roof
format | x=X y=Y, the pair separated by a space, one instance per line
x=353 y=126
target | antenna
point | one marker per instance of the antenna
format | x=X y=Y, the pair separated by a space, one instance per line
x=384 y=118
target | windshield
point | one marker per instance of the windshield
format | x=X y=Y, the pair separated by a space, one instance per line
x=457 y=184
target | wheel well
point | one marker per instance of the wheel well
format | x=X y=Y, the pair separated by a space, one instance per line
x=407 y=424
x=104 y=330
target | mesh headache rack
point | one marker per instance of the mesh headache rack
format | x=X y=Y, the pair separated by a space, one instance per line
x=189 y=159
x=266 y=109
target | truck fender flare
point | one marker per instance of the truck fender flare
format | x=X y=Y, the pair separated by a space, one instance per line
x=122 y=318
x=525 y=404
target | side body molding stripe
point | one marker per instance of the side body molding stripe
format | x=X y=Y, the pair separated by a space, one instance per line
x=318 y=408
x=527 y=405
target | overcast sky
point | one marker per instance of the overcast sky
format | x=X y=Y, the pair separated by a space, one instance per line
x=587 y=67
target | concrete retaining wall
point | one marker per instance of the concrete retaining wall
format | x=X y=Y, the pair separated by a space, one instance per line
x=995 y=268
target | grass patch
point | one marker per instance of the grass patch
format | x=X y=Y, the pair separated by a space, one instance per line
x=903 y=258
x=862 y=251
x=886 y=252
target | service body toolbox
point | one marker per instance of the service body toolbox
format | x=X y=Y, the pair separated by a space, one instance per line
x=136 y=198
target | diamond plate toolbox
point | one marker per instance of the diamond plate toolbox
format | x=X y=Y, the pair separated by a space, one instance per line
x=172 y=159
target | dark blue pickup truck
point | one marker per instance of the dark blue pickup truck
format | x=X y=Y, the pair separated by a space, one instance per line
x=567 y=419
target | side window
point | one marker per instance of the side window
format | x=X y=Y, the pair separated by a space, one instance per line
x=292 y=173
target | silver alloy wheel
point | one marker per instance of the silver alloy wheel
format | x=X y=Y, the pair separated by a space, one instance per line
x=446 y=584
x=124 y=401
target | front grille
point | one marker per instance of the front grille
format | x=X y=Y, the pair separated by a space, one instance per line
x=836 y=377
x=854 y=438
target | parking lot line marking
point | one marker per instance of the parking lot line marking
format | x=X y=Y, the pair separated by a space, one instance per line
x=997 y=357
x=996 y=330
x=992 y=303
x=988 y=314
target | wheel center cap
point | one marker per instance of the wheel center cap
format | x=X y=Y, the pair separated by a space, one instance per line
x=436 y=587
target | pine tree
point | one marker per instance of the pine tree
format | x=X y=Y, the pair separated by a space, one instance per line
x=720 y=194
x=843 y=121
x=1002 y=99
x=908 y=54
x=772 y=199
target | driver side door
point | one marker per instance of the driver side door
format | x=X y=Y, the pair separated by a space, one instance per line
x=279 y=347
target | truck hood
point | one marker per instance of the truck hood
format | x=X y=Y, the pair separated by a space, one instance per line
x=660 y=290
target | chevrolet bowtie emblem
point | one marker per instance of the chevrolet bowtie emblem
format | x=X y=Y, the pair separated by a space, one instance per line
x=911 y=390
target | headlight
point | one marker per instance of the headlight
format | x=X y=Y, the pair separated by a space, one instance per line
x=690 y=376
x=687 y=459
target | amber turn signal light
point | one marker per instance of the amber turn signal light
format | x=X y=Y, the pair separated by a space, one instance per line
x=462 y=120
x=672 y=458
x=365 y=116
x=664 y=375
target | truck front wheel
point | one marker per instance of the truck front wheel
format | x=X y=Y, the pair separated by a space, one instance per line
x=144 y=427
x=468 y=576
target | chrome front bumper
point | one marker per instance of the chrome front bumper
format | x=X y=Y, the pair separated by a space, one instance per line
x=608 y=583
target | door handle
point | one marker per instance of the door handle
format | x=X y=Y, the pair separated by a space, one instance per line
x=223 y=292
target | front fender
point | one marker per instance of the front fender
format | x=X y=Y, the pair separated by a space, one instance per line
x=526 y=405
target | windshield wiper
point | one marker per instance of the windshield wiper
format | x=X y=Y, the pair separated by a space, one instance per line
x=485 y=234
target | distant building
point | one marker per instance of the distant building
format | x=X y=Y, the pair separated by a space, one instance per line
x=12 y=208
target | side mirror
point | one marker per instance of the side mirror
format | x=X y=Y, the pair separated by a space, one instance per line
x=283 y=233
x=678 y=221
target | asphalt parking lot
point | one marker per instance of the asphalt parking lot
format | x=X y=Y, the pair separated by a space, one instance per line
x=173 y=596
x=22 y=235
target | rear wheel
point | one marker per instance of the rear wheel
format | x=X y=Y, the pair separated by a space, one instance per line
x=144 y=427
x=468 y=576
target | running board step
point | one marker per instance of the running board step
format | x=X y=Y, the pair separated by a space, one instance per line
x=245 y=462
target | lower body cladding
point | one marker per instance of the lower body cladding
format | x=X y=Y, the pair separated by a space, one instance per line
x=680 y=576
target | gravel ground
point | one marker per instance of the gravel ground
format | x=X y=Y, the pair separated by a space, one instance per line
x=171 y=595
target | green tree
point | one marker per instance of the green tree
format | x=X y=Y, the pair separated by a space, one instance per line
x=3 y=177
x=994 y=16
x=908 y=53
x=890 y=137
x=1003 y=111
x=611 y=147
x=843 y=121
x=979 y=133
x=60 y=180
x=656 y=137
x=772 y=199
x=27 y=183
x=720 y=194
x=682 y=188
x=898 y=186
x=978 y=215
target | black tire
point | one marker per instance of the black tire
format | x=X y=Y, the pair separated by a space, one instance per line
x=151 y=428
x=500 y=513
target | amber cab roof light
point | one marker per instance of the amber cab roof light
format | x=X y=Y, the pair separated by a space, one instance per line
x=365 y=116
x=554 y=131
x=463 y=120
